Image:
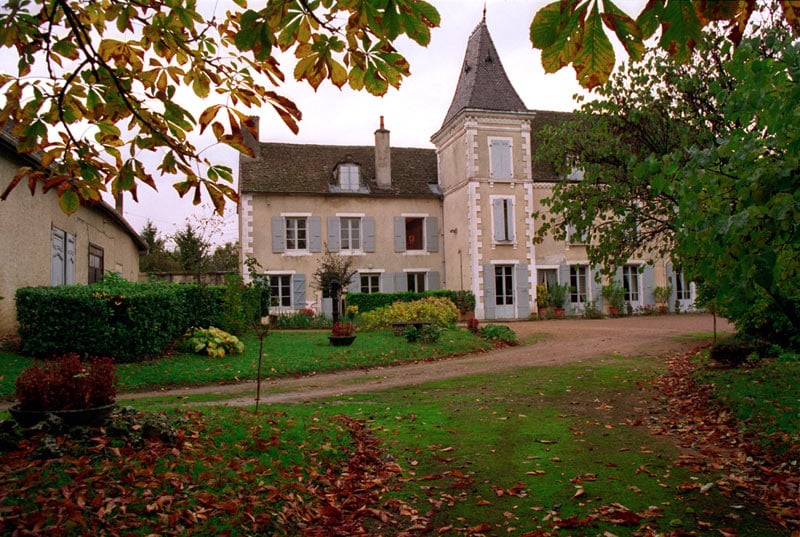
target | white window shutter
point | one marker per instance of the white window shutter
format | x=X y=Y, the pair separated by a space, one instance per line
x=334 y=236
x=58 y=255
x=432 y=233
x=278 y=234
x=315 y=234
x=368 y=231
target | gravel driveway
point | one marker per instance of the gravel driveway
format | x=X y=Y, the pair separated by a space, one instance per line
x=568 y=341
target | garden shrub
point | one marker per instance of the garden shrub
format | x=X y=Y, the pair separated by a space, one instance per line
x=412 y=334
x=735 y=350
x=214 y=342
x=498 y=333
x=366 y=302
x=303 y=319
x=435 y=310
x=67 y=383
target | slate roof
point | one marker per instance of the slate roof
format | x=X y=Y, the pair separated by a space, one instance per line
x=310 y=169
x=483 y=83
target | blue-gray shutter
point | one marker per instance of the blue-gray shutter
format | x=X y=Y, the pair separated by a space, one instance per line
x=649 y=279
x=522 y=293
x=489 y=293
x=563 y=279
x=434 y=281
x=278 y=234
x=298 y=291
x=597 y=289
x=432 y=233
x=355 y=284
x=58 y=253
x=368 y=231
x=399 y=234
x=387 y=282
x=334 y=234
x=498 y=220
x=315 y=234
x=672 y=280
x=400 y=282
x=71 y=252
x=500 y=153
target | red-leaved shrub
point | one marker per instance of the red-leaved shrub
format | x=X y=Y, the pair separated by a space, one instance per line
x=67 y=383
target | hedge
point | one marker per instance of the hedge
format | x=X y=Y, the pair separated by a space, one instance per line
x=125 y=321
x=464 y=300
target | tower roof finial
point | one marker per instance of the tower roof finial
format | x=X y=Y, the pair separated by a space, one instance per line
x=484 y=11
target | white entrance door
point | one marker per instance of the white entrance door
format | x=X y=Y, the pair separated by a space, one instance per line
x=632 y=282
x=504 y=291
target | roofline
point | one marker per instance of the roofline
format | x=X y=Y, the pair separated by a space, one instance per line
x=530 y=114
x=9 y=142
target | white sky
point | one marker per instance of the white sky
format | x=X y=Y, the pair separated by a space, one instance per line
x=412 y=114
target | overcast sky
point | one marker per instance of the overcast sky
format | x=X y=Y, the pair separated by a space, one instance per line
x=412 y=114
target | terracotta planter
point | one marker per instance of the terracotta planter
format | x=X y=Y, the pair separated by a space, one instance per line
x=87 y=417
x=341 y=341
x=559 y=312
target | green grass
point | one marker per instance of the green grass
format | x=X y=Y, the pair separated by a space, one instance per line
x=504 y=454
x=764 y=397
x=286 y=353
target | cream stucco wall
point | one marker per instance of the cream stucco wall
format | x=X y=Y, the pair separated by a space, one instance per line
x=256 y=227
x=26 y=222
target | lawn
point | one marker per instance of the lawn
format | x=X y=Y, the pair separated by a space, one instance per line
x=563 y=450
x=286 y=353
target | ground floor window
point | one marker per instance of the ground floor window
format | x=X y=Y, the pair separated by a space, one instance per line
x=630 y=281
x=577 y=284
x=682 y=286
x=95 y=263
x=281 y=290
x=416 y=281
x=504 y=285
x=547 y=277
x=370 y=283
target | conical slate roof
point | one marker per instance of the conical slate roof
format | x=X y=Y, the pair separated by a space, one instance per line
x=483 y=83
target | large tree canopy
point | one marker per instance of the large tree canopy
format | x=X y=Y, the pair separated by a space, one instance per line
x=100 y=83
x=699 y=162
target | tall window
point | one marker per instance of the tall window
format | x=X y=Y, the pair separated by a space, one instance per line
x=682 y=286
x=503 y=219
x=296 y=233
x=350 y=231
x=415 y=238
x=370 y=283
x=504 y=285
x=500 y=158
x=547 y=277
x=577 y=283
x=416 y=281
x=95 y=263
x=281 y=290
x=349 y=177
x=630 y=281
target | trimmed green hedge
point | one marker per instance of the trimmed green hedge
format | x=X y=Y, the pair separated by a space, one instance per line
x=126 y=321
x=464 y=300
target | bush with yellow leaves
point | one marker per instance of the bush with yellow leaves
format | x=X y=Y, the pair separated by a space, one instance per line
x=213 y=341
x=438 y=311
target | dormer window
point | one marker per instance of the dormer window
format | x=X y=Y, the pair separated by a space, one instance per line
x=349 y=177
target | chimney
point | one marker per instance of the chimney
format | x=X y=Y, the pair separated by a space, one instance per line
x=383 y=158
x=250 y=134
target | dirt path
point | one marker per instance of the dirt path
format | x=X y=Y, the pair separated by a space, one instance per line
x=568 y=341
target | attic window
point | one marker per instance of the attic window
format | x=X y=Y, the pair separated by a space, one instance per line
x=349 y=177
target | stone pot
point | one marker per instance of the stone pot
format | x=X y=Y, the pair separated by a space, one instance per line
x=87 y=417
x=341 y=341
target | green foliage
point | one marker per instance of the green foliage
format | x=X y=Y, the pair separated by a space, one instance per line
x=463 y=300
x=334 y=267
x=557 y=294
x=430 y=333
x=435 y=310
x=67 y=383
x=614 y=293
x=212 y=341
x=661 y=294
x=571 y=33
x=144 y=55
x=498 y=333
x=542 y=296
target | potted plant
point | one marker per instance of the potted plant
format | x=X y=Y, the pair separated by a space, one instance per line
x=661 y=296
x=342 y=334
x=614 y=294
x=81 y=392
x=557 y=294
x=542 y=300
